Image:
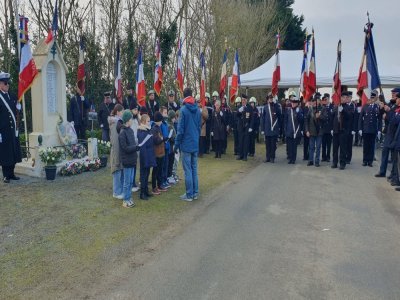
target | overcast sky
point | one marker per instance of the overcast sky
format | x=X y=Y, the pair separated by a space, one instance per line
x=344 y=19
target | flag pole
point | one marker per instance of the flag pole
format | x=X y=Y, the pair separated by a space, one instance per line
x=23 y=96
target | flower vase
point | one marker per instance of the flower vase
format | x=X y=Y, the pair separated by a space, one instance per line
x=50 y=172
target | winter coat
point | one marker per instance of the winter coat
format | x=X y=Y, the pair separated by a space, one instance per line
x=115 y=124
x=127 y=144
x=159 y=147
x=218 y=125
x=204 y=118
x=152 y=107
x=146 y=155
x=343 y=121
x=78 y=111
x=294 y=122
x=103 y=113
x=271 y=119
x=165 y=133
x=173 y=105
x=10 y=150
x=312 y=124
x=171 y=126
x=393 y=119
x=370 y=119
x=189 y=126
x=245 y=119
x=326 y=119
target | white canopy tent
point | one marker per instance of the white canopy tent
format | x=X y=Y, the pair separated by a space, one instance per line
x=290 y=63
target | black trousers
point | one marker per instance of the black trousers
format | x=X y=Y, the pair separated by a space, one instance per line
x=339 y=150
x=270 y=145
x=326 y=146
x=208 y=141
x=80 y=132
x=218 y=147
x=244 y=141
x=291 y=144
x=306 y=146
x=252 y=143
x=368 y=147
x=156 y=174
x=144 y=179
x=224 y=145
x=235 y=142
x=8 y=171
x=171 y=159
x=202 y=145
x=349 y=154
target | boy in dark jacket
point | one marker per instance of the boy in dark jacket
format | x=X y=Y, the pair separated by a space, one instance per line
x=147 y=157
x=159 y=150
x=128 y=151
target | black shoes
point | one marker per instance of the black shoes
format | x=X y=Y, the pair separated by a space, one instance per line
x=317 y=164
x=370 y=164
x=364 y=164
x=310 y=163
x=6 y=180
x=379 y=175
x=334 y=166
x=341 y=167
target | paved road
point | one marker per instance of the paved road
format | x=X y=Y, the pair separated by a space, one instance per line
x=283 y=232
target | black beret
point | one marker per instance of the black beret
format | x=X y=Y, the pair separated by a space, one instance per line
x=326 y=95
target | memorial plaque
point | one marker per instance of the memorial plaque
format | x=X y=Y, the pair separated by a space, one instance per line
x=51 y=88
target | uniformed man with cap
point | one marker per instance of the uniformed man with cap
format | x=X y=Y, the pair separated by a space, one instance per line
x=245 y=127
x=104 y=112
x=370 y=125
x=152 y=105
x=210 y=110
x=234 y=125
x=326 y=127
x=79 y=107
x=342 y=126
x=256 y=126
x=10 y=150
x=270 y=126
x=354 y=124
x=172 y=105
x=312 y=126
x=294 y=122
x=215 y=96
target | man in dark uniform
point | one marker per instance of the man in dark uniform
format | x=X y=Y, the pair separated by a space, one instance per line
x=370 y=125
x=342 y=126
x=354 y=122
x=357 y=137
x=130 y=99
x=392 y=119
x=172 y=105
x=208 y=123
x=227 y=111
x=234 y=125
x=294 y=122
x=105 y=110
x=312 y=126
x=270 y=127
x=79 y=107
x=256 y=126
x=10 y=150
x=306 y=139
x=245 y=127
x=152 y=105
x=326 y=127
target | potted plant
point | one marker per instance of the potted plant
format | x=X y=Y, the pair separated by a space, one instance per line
x=50 y=157
x=104 y=148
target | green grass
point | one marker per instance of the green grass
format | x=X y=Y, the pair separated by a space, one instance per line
x=54 y=234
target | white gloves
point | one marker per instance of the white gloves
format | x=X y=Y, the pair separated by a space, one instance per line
x=331 y=132
x=360 y=132
x=302 y=133
x=250 y=129
x=262 y=132
x=19 y=106
x=212 y=133
x=174 y=104
x=297 y=109
x=340 y=108
x=221 y=114
x=359 y=109
x=101 y=125
x=241 y=109
x=82 y=98
x=379 y=135
x=353 y=132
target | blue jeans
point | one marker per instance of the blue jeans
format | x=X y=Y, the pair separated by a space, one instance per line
x=128 y=178
x=189 y=164
x=118 y=182
x=315 y=146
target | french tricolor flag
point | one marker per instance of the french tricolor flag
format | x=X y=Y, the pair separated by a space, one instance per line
x=51 y=35
x=312 y=76
x=234 y=90
x=179 y=68
x=304 y=68
x=337 y=83
x=27 y=67
x=81 y=68
x=203 y=80
x=224 y=78
x=118 y=76
x=368 y=77
x=158 y=72
x=140 y=82
x=276 y=76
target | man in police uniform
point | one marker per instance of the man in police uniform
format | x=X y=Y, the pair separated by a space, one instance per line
x=326 y=127
x=10 y=150
x=78 y=108
x=294 y=122
x=152 y=105
x=234 y=125
x=245 y=127
x=105 y=110
x=172 y=105
x=270 y=127
x=353 y=127
x=210 y=111
x=342 y=127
